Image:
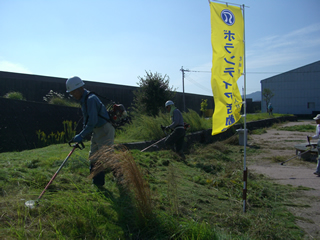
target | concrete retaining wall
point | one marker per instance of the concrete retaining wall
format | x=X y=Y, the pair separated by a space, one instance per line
x=34 y=88
x=205 y=136
x=20 y=120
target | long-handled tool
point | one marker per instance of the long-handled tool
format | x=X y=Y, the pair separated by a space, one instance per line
x=153 y=144
x=299 y=155
x=33 y=203
x=158 y=141
x=295 y=157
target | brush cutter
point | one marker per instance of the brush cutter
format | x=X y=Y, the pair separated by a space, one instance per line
x=299 y=155
x=33 y=203
x=164 y=130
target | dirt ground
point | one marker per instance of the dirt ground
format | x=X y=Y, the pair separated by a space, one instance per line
x=296 y=172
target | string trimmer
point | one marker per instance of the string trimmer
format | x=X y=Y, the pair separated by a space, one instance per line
x=163 y=128
x=299 y=155
x=33 y=203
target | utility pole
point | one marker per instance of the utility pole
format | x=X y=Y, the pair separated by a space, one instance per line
x=184 y=100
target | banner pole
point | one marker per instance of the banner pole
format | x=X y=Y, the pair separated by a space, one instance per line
x=245 y=173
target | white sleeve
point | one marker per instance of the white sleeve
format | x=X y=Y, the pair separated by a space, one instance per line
x=317 y=132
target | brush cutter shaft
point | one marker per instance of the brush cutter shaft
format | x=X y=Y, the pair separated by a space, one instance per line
x=54 y=176
x=153 y=144
x=164 y=130
x=296 y=156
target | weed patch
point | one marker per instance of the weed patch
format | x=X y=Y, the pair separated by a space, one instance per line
x=299 y=128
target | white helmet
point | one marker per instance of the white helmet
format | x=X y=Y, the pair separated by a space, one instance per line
x=168 y=103
x=73 y=83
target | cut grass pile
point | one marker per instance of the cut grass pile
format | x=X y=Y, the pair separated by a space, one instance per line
x=197 y=199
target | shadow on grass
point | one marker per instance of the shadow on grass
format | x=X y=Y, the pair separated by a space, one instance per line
x=134 y=225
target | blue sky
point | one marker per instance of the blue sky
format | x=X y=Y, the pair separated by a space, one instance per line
x=117 y=41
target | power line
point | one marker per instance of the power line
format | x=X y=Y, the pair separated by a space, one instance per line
x=198 y=84
x=197 y=71
x=257 y=72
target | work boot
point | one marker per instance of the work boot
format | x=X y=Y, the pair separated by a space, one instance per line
x=182 y=156
x=317 y=173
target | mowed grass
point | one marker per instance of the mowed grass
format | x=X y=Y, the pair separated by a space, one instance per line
x=197 y=199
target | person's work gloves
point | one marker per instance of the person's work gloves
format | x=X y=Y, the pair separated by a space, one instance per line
x=164 y=128
x=77 y=138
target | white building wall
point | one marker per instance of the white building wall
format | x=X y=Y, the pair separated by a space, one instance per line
x=296 y=91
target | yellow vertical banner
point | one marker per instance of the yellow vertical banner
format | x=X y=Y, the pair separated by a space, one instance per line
x=227 y=30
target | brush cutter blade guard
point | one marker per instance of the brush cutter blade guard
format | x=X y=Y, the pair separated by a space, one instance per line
x=31 y=204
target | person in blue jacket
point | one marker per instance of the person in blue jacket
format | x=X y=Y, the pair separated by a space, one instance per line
x=270 y=109
x=176 y=138
x=96 y=121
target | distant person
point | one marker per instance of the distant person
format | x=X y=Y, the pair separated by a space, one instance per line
x=176 y=139
x=96 y=121
x=270 y=108
x=317 y=136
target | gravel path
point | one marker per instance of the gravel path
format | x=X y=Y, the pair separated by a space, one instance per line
x=296 y=172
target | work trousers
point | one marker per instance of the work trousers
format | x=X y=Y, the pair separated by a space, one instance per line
x=101 y=137
x=176 y=140
x=318 y=164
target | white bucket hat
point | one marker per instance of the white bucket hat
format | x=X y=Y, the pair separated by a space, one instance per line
x=317 y=117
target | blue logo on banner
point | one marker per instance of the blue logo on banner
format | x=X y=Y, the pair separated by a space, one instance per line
x=228 y=17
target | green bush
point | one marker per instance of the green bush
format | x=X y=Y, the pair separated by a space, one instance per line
x=59 y=99
x=63 y=102
x=14 y=95
x=58 y=137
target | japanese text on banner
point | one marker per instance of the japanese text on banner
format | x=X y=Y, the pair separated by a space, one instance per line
x=227 y=30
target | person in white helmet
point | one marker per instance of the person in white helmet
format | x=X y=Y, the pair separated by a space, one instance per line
x=176 y=138
x=317 y=136
x=96 y=121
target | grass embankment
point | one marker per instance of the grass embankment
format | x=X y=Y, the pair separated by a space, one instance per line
x=146 y=128
x=197 y=199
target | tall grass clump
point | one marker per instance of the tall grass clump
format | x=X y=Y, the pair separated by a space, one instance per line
x=196 y=122
x=145 y=127
x=14 y=95
x=129 y=178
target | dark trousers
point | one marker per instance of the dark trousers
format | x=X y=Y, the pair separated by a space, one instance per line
x=176 y=139
x=98 y=179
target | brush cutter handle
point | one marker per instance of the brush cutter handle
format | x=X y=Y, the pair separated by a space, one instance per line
x=76 y=145
x=164 y=129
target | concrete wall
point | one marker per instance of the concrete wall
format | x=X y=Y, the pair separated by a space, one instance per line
x=34 y=88
x=20 y=120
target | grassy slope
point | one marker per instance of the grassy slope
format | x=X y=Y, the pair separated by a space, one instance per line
x=197 y=199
